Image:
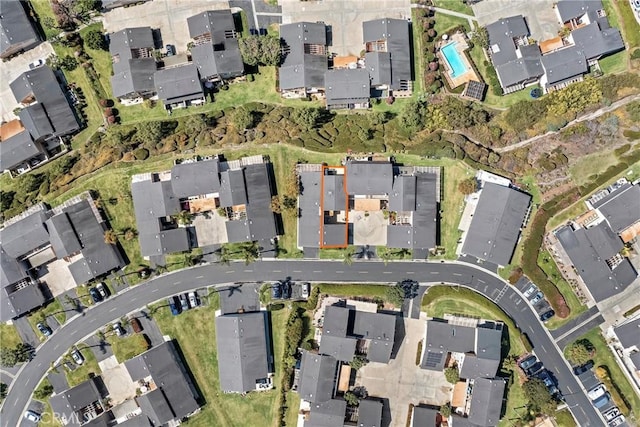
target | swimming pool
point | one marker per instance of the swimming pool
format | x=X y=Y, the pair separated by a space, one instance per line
x=454 y=59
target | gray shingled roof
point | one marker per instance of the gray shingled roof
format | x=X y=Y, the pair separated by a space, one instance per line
x=195 y=178
x=15 y=303
x=25 y=235
x=369 y=413
x=41 y=82
x=309 y=206
x=443 y=338
x=162 y=363
x=569 y=9
x=243 y=357
x=396 y=34
x=217 y=23
x=424 y=417
x=220 y=60
x=300 y=69
x=239 y=298
x=133 y=76
x=347 y=86
x=16 y=29
x=11 y=271
x=403 y=196
x=260 y=218
x=621 y=207
x=121 y=43
x=34 y=119
x=64 y=239
x=629 y=333
x=335 y=198
x=155 y=406
x=76 y=398
x=369 y=178
x=595 y=42
x=588 y=250
x=232 y=188
x=379 y=66
x=17 y=149
x=486 y=401
x=327 y=414
x=495 y=227
x=564 y=64
x=317 y=377
x=179 y=84
x=380 y=329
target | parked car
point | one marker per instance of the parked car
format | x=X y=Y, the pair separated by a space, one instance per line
x=534 y=369
x=537 y=298
x=579 y=370
x=547 y=315
x=118 y=329
x=95 y=295
x=77 y=356
x=171 y=49
x=44 y=329
x=597 y=391
x=306 y=290
x=636 y=5
x=546 y=378
x=102 y=289
x=276 y=290
x=135 y=325
x=36 y=64
x=617 y=421
x=527 y=362
x=286 y=290
x=173 y=306
x=184 y=303
x=602 y=400
x=530 y=291
x=193 y=300
x=611 y=414
x=32 y=416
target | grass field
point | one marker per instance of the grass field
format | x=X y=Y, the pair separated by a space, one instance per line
x=125 y=348
x=9 y=337
x=81 y=373
x=445 y=23
x=565 y=419
x=353 y=290
x=54 y=308
x=603 y=356
x=455 y=5
x=43 y=10
x=591 y=164
x=616 y=63
x=629 y=25
x=194 y=331
x=440 y=300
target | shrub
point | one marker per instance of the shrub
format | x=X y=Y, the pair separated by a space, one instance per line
x=452 y=375
x=250 y=77
x=580 y=352
x=141 y=154
x=636 y=54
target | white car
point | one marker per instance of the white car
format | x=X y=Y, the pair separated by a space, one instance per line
x=611 y=414
x=193 y=300
x=530 y=291
x=306 y=287
x=32 y=416
x=77 y=356
x=597 y=391
x=617 y=421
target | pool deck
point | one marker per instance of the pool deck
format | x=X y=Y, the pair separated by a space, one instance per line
x=461 y=46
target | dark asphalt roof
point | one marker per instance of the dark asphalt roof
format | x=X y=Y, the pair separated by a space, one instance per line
x=337 y=321
x=195 y=178
x=309 y=206
x=635 y=359
x=621 y=207
x=564 y=64
x=217 y=23
x=133 y=76
x=34 y=119
x=403 y=196
x=11 y=271
x=317 y=377
x=369 y=178
x=495 y=227
x=335 y=198
x=379 y=66
x=232 y=188
x=222 y=60
x=260 y=218
x=501 y=34
x=342 y=348
x=124 y=41
x=15 y=27
x=327 y=414
x=17 y=149
x=155 y=406
x=380 y=329
x=569 y=9
x=15 y=303
x=629 y=333
x=347 y=86
x=25 y=235
x=335 y=234
x=595 y=42
x=165 y=242
x=424 y=417
x=425 y=216
x=237 y=231
x=369 y=413
x=239 y=298
x=242 y=351
x=64 y=239
x=137 y=421
x=178 y=84
x=300 y=69
x=486 y=401
x=41 y=82
x=163 y=364
x=76 y=398
x=396 y=34
x=589 y=250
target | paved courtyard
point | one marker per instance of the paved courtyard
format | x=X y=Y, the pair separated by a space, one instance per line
x=540 y=16
x=57 y=276
x=117 y=380
x=345 y=18
x=210 y=229
x=369 y=229
x=401 y=381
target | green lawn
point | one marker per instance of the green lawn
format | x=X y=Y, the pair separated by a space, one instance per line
x=616 y=63
x=445 y=23
x=441 y=300
x=101 y=60
x=54 y=308
x=630 y=27
x=592 y=164
x=603 y=356
x=43 y=10
x=455 y=5
x=127 y=347
x=9 y=337
x=565 y=419
x=418 y=51
x=353 y=290
x=194 y=331
x=82 y=372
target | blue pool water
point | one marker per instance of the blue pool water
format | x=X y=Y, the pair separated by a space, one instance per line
x=453 y=58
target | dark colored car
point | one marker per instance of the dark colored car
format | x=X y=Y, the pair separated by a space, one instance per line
x=173 y=306
x=548 y=381
x=44 y=329
x=579 y=370
x=527 y=363
x=276 y=290
x=286 y=290
x=171 y=49
x=602 y=400
x=547 y=315
x=534 y=369
x=95 y=295
x=135 y=324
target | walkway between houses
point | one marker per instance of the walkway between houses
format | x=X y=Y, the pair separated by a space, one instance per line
x=590 y=116
x=469 y=18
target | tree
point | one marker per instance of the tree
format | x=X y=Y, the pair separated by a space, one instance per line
x=358 y=362
x=275 y=205
x=395 y=295
x=242 y=118
x=130 y=234
x=250 y=50
x=44 y=391
x=580 y=352
x=23 y=352
x=250 y=252
x=183 y=217
x=378 y=118
x=224 y=256
x=480 y=36
x=260 y=50
x=3 y=391
x=94 y=39
x=413 y=116
x=68 y=63
x=8 y=357
x=468 y=186
x=351 y=399
x=540 y=400
x=445 y=410
x=452 y=375
x=150 y=132
x=110 y=237
x=347 y=255
x=289 y=202
x=306 y=118
x=194 y=124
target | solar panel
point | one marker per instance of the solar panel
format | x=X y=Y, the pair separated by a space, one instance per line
x=433 y=360
x=475 y=90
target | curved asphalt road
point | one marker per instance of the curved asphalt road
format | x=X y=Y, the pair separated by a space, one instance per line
x=138 y=296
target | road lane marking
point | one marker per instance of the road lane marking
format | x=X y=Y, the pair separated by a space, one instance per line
x=113 y=309
x=569 y=388
x=248 y=271
x=230 y=271
x=410 y=272
x=481 y=281
x=457 y=274
x=363 y=272
x=177 y=283
x=317 y=271
x=155 y=290
x=297 y=271
x=543 y=349
x=339 y=271
x=386 y=272
x=199 y=277
x=39 y=364
x=434 y=272
x=277 y=271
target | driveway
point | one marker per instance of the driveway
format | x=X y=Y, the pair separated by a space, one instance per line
x=540 y=16
x=401 y=381
x=26 y=332
x=345 y=18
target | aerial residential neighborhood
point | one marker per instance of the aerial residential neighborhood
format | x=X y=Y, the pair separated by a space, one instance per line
x=325 y=213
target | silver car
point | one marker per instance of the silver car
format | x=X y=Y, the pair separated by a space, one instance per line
x=530 y=291
x=193 y=300
x=77 y=356
x=536 y=299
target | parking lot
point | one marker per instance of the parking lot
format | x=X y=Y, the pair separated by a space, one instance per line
x=345 y=18
x=540 y=16
x=11 y=70
x=170 y=16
